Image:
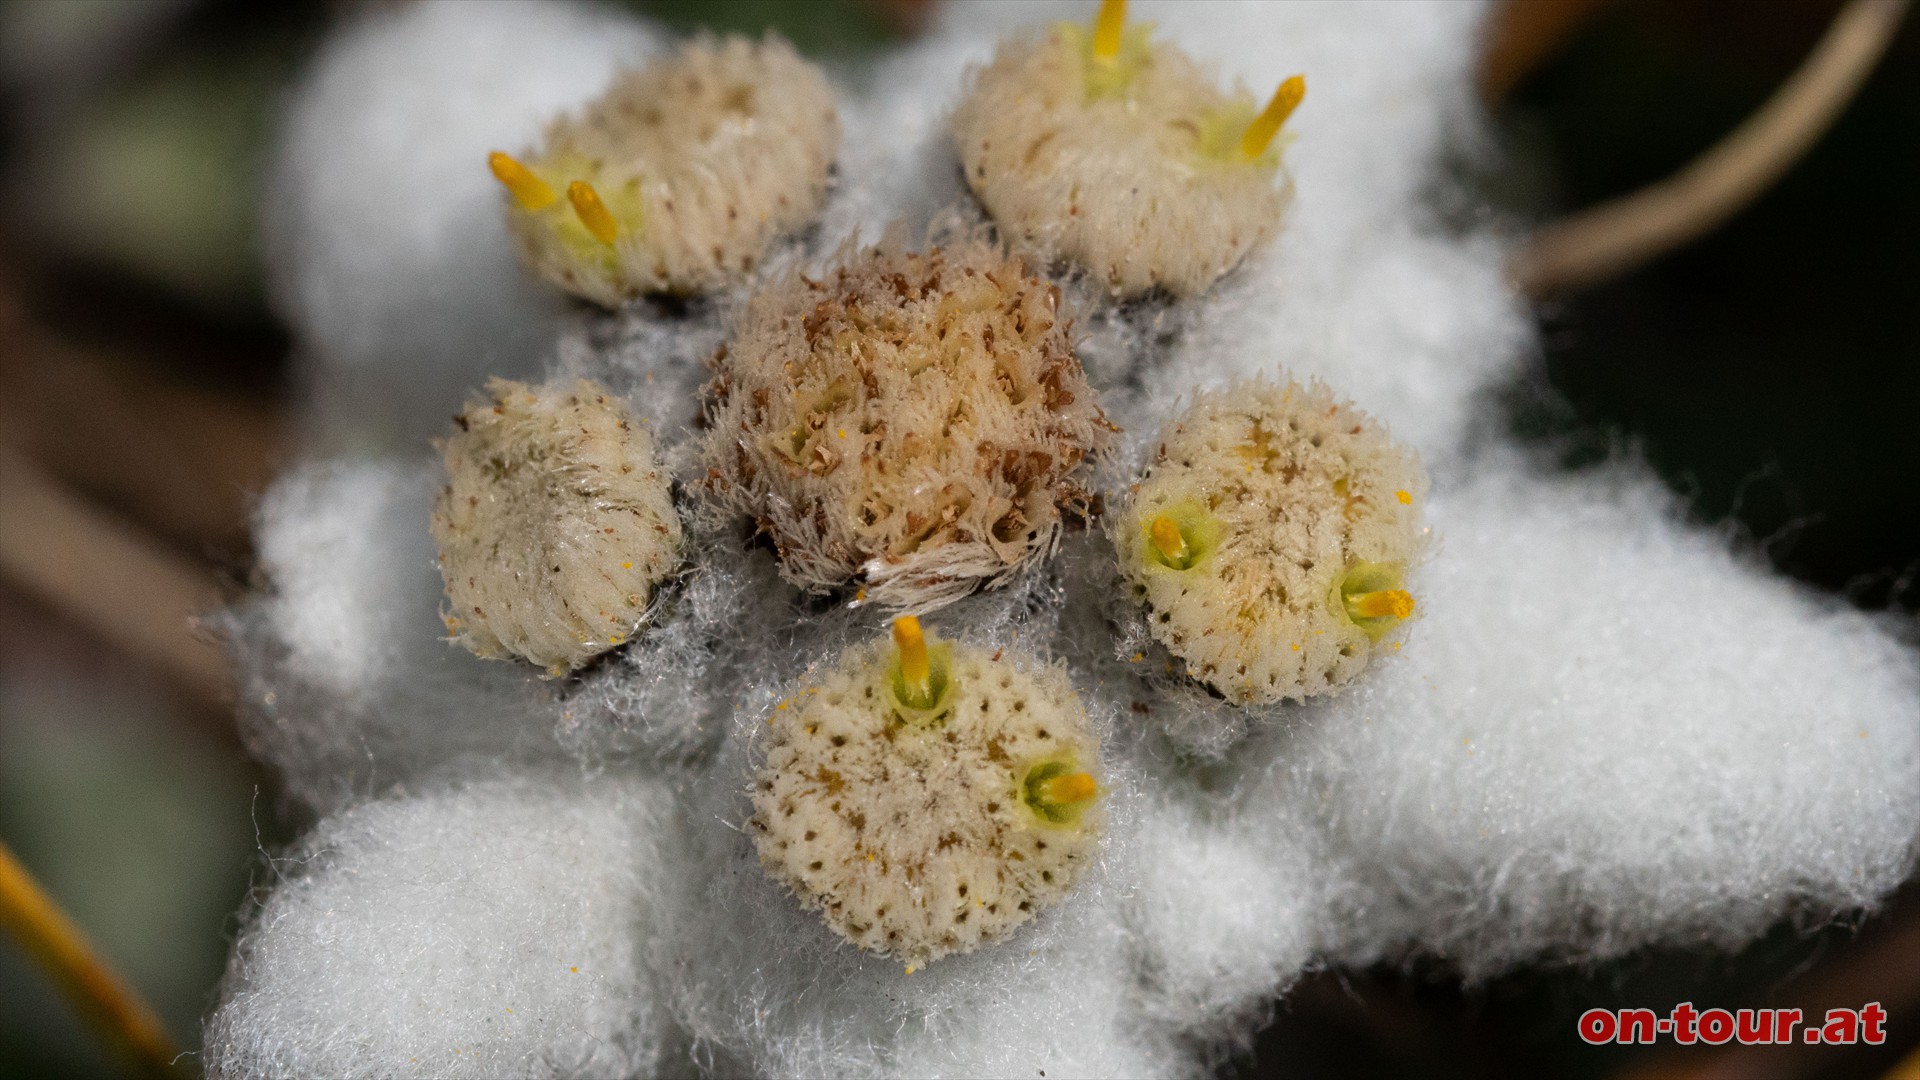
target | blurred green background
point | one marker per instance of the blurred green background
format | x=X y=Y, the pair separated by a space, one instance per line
x=1770 y=371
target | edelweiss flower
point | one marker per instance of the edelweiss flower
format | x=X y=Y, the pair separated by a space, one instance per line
x=1604 y=729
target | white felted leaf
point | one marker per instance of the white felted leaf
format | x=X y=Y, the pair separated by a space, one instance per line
x=487 y=929
x=349 y=680
x=1607 y=731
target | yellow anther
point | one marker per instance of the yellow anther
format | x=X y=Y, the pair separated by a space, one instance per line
x=916 y=670
x=531 y=192
x=1058 y=791
x=1168 y=541
x=1260 y=133
x=1066 y=789
x=1405 y=497
x=1384 y=604
x=1107 y=26
x=593 y=213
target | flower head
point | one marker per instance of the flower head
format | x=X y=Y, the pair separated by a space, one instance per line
x=555 y=525
x=679 y=176
x=912 y=419
x=1269 y=538
x=929 y=798
x=1119 y=153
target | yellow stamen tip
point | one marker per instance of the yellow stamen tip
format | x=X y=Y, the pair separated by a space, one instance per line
x=916 y=670
x=1260 y=133
x=1107 y=26
x=593 y=213
x=1405 y=497
x=1167 y=539
x=528 y=190
x=1067 y=789
x=1387 y=603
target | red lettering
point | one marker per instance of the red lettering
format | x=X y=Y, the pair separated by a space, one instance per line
x=1751 y=1027
x=1683 y=1021
x=1716 y=1026
x=1598 y=1026
x=1873 y=1021
x=1842 y=1026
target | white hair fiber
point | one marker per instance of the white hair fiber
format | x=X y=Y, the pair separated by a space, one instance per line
x=1612 y=732
x=481 y=928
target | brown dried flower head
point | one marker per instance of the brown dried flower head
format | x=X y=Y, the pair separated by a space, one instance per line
x=911 y=420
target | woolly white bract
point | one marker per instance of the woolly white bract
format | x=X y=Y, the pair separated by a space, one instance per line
x=484 y=929
x=1605 y=730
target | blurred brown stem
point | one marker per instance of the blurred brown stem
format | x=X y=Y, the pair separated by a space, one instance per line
x=1606 y=240
x=57 y=945
x=117 y=582
x=185 y=462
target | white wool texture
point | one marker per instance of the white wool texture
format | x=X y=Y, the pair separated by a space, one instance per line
x=1610 y=731
x=481 y=929
x=386 y=245
x=752 y=971
x=350 y=683
x=1226 y=909
x=1605 y=729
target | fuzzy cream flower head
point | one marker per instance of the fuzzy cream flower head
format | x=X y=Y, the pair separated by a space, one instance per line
x=555 y=525
x=929 y=797
x=1119 y=153
x=679 y=176
x=1270 y=538
x=913 y=420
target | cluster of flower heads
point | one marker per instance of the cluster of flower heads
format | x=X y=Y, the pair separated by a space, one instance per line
x=908 y=427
